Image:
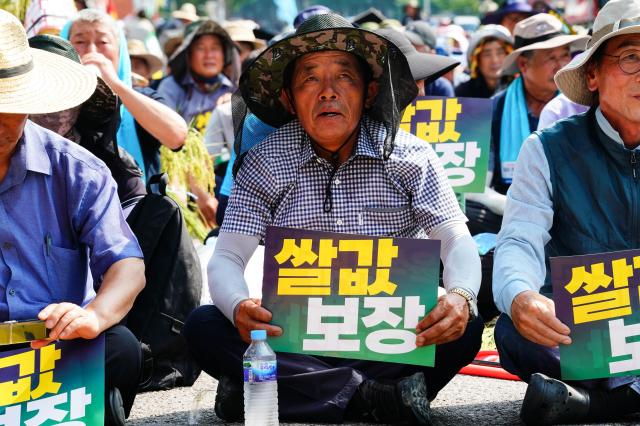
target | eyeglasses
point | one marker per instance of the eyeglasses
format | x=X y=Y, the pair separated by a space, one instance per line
x=628 y=61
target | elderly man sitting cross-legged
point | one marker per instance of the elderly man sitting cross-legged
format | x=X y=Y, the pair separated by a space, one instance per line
x=59 y=216
x=575 y=191
x=337 y=163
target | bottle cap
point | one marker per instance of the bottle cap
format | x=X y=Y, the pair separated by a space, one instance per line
x=258 y=334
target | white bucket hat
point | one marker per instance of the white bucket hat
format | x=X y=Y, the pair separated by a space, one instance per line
x=617 y=17
x=537 y=32
x=33 y=81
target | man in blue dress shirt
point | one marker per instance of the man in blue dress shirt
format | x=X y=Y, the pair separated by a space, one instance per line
x=59 y=216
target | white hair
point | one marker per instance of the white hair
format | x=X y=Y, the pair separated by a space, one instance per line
x=92 y=16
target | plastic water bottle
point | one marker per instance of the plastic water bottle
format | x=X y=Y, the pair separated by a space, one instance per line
x=260 y=382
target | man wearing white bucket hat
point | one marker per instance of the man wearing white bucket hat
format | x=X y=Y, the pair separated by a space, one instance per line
x=541 y=49
x=574 y=192
x=59 y=216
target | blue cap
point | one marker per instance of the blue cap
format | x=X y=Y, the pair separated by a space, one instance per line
x=258 y=334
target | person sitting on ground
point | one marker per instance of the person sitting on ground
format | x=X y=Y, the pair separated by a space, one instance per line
x=517 y=108
x=61 y=216
x=488 y=48
x=101 y=44
x=143 y=63
x=92 y=124
x=556 y=207
x=337 y=106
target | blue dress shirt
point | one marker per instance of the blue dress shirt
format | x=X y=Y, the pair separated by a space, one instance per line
x=59 y=215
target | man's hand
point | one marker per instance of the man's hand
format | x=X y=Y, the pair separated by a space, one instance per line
x=68 y=321
x=105 y=66
x=445 y=323
x=534 y=316
x=251 y=316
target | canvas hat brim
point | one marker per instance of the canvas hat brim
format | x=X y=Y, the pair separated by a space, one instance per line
x=179 y=14
x=572 y=80
x=55 y=83
x=155 y=63
x=575 y=42
x=430 y=67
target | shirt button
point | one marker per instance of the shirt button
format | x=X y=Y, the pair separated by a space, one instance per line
x=7 y=246
x=318 y=160
x=337 y=181
x=12 y=292
x=339 y=222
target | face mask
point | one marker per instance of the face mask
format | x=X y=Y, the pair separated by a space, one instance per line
x=61 y=122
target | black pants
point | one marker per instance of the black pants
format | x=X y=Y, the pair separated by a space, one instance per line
x=123 y=364
x=481 y=219
x=315 y=388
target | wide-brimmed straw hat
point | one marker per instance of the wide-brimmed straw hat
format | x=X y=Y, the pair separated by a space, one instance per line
x=187 y=12
x=424 y=66
x=37 y=82
x=537 y=32
x=617 y=17
x=491 y=31
x=262 y=82
x=137 y=49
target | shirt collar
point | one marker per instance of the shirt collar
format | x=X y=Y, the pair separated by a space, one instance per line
x=36 y=158
x=608 y=129
x=365 y=146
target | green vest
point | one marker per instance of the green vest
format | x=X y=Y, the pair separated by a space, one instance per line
x=596 y=190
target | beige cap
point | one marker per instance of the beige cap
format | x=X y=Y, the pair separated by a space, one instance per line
x=137 y=49
x=537 y=32
x=242 y=30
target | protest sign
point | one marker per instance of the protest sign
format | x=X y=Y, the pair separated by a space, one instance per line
x=597 y=297
x=61 y=383
x=350 y=296
x=460 y=131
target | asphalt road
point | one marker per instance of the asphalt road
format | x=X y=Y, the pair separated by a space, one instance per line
x=465 y=401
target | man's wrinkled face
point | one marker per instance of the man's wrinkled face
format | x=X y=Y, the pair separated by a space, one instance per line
x=539 y=69
x=90 y=37
x=619 y=92
x=206 y=56
x=328 y=95
x=11 y=127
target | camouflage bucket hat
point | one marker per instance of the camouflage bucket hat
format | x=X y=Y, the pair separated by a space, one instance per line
x=261 y=83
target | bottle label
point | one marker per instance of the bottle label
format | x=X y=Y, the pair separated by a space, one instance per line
x=260 y=371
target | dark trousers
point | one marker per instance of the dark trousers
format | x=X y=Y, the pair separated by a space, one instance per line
x=523 y=358
x=316 y=388
x=481 y=219
x=123 y=364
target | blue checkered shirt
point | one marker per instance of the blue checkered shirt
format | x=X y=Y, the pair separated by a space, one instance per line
x=283 y=181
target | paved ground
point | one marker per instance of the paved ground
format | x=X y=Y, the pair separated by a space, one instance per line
x=466 y=401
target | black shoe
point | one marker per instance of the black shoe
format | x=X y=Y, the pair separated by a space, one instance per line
x=229 y=404
x=549 y=401
x=402 y=402
x=114 y=409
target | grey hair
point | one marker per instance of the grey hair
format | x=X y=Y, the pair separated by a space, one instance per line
x=92 y=16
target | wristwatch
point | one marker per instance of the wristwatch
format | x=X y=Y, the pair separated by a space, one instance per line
x=471 y=301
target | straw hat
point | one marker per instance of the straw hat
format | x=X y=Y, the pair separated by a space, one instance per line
x=137 y=49
x=37 y=82
x=187 y=12
x=537 y=32
x=617 y=17
x=242 y=31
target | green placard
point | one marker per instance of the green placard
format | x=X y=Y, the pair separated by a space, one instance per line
x=350 y=296
x=459 y=130
x=60 y=383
